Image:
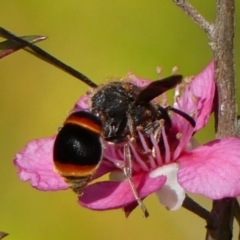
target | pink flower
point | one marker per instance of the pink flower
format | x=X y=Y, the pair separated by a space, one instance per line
x=164 y=165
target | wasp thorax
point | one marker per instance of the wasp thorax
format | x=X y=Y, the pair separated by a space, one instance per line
x=115 y=104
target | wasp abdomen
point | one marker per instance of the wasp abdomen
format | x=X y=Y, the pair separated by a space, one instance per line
x=78 y=149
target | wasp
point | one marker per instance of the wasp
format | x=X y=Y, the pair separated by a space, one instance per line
x=118 y=109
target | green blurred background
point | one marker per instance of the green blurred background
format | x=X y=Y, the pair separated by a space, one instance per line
x=101 y=39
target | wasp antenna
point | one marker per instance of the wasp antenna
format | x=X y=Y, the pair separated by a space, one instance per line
x=183 y=114
x=40 y=53
x=158 y=87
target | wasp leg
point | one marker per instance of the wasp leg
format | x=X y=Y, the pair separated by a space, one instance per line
x=150 y=128
x=116 y=132
x=128 y=173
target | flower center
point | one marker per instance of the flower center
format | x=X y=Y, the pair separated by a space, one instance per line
x=148 y=151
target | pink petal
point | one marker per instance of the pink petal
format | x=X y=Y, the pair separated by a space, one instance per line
x=82 y=103
x=199 y=95
x=212 y=169
x=35 y=163
x=104 y=168
x=171 y=195
x=112 y=195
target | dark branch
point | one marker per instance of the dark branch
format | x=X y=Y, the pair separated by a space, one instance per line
x=194 y=207
x=224 y=69
x=236 y=209
x=223 y=209
x=221 y=36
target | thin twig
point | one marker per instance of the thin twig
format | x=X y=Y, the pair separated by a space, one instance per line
x=195 y=16
x=197 y=209
x=224 y=212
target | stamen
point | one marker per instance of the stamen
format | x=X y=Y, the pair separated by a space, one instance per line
x=177 y=93
x=179 y=147
x=156 y=150
x=166 y=145
x=146 y=148
x=188 y=79
x=115 y=161
x=175 y=70
x=195 y=110
x=194 y=98
x=164 y=102
x=157 y=135
x=159 y=72
x=129 y=73
x=138 y=159
x=178 y=135
x=187 y=131
x=120 y=153
x=113 y=151
x=185 y=128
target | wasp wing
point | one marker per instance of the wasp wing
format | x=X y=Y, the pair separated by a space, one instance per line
x=158 y=87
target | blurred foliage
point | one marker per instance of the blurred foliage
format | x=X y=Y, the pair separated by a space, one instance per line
x=8 y=46
x=101 y=39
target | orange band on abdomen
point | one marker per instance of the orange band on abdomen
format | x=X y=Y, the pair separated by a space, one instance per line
x=84 y=122
x=72 y=170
